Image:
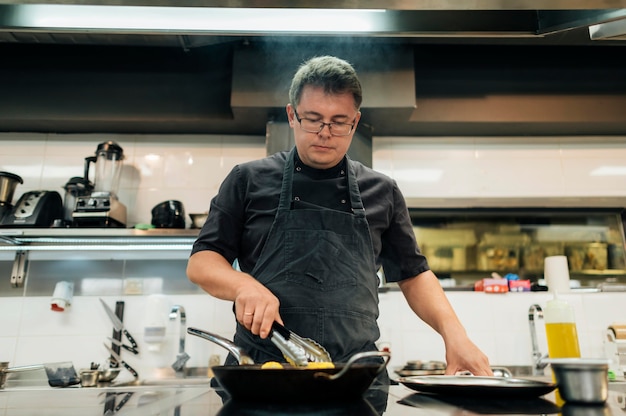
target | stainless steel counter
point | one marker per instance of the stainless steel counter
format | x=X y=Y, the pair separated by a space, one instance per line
x=203 y=400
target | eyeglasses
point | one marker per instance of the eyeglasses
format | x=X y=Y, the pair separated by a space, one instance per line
x=315 y=126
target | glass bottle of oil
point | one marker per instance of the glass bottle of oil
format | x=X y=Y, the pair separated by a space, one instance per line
x=561 y=332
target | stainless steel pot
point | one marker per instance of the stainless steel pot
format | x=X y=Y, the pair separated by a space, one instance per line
x=8 y=183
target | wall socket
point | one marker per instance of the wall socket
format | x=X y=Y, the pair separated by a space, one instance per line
x=133 y=286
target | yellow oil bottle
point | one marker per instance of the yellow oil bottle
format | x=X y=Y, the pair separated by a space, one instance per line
x=561 y=333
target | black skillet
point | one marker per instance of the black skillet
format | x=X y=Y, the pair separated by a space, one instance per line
x=250 y=382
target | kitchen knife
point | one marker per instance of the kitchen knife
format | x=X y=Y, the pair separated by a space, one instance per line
x=119 y=360
x=121 y=344
x=118 y=324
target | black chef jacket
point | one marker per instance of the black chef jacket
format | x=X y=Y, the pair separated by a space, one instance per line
x=241 y=214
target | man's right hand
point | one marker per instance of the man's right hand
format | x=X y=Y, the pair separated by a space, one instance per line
x=256 y=307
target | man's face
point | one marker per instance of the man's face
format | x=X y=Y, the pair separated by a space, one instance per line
x=322 y=150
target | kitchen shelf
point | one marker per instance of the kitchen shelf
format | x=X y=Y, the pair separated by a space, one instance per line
x=90 y=244
x=32 y=239
x=470 y=243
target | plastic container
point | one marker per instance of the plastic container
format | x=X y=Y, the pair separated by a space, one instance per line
x=561 y=332
x=154 y=328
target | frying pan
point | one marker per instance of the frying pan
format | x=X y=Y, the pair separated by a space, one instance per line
x=250 y=382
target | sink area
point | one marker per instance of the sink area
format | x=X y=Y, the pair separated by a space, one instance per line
x=191 y=376
x=514 y=370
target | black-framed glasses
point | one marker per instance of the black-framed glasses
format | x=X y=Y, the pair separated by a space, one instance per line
x=315 y=126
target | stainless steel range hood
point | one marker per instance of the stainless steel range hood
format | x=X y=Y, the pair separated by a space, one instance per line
x=455 y=67
x=190 y=22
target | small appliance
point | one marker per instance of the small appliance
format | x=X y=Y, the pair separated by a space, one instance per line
x=74 y=188
x=102 y=208
x=169 y=214
x=8 y=183
x=35 y=209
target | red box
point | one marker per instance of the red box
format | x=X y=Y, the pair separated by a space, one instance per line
x=495 y=285
x=519 y=285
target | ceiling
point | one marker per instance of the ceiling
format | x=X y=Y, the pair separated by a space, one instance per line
x=480 y=67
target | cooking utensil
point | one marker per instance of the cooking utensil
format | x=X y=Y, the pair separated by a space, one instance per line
x=250 y=382
x=61 y=374
x=198 y=220
x=89 y=378
x=296 y=349
x=121 y=344
x=581 y=380
x=120 y=361
x=106 y=375
x=480 y=405
x=119 y=326
x=478 y=386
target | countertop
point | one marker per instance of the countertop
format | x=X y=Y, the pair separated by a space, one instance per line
x=203 y=400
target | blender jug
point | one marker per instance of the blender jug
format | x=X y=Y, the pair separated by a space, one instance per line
x=108 y=167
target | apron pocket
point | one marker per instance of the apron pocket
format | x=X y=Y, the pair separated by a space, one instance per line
x=321 y=260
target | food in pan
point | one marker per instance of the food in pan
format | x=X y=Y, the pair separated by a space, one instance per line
x=271 y=364
x=317 y=365
x=310 y=365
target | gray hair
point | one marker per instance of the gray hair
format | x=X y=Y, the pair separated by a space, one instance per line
x=333 y=74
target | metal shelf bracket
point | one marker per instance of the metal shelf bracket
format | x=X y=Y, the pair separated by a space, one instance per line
x=20 y=268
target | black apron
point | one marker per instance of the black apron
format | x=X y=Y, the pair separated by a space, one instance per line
x=320 y=264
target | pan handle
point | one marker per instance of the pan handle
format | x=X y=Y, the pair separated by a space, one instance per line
x=367 y=354
x=241 y=356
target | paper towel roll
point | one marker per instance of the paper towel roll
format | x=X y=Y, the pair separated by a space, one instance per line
x=556 y=274
x=619 y=330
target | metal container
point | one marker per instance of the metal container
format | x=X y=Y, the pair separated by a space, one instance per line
x=581 y=380
x=8 y=183
x=89 y=378
x=106 y=375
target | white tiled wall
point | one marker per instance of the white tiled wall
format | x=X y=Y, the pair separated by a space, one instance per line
x=190 y=168
x=498 y=324
x=156 y=168
x=505 y=167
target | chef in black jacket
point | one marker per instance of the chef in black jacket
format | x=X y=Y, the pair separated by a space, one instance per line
x=309 y=229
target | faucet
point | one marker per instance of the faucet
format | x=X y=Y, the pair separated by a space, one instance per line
x=538 y=365
x=181 y=359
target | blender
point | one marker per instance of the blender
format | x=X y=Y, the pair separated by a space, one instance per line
x=74 y=188
x=102 y=208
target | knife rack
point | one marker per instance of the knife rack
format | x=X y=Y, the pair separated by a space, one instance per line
x=117 y=335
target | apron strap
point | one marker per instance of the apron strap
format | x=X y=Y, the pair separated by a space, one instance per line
x=353 y=188
x=285 y=194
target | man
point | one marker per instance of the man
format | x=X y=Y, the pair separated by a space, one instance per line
x=310 y=228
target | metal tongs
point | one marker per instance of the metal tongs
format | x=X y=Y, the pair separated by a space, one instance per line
x=297 y=350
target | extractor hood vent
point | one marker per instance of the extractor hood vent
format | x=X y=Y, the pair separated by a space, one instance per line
x=615 y=30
